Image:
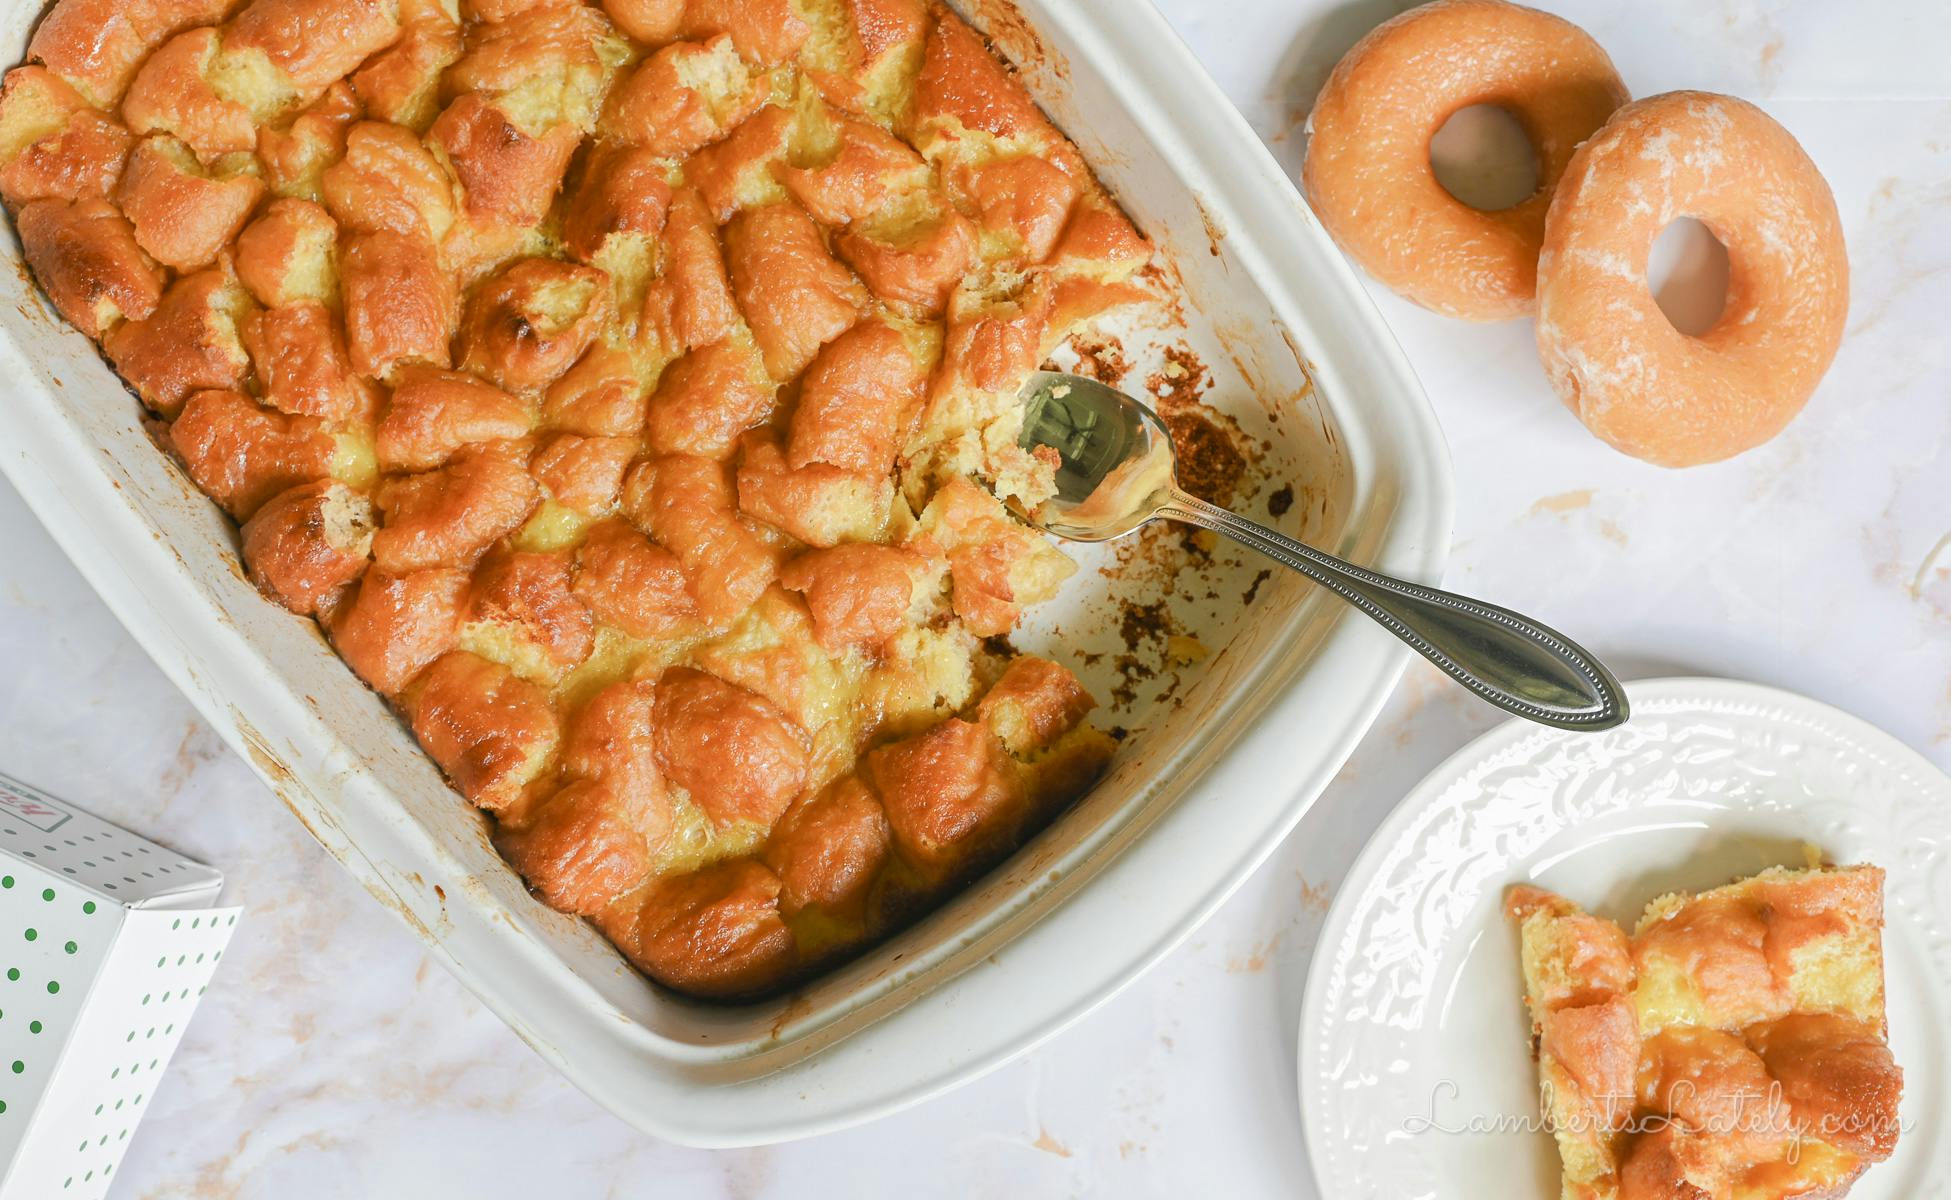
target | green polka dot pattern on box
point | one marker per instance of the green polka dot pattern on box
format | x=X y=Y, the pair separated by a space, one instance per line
x=106 y=941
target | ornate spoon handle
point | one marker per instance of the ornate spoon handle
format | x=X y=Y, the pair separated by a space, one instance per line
x=1510 y=660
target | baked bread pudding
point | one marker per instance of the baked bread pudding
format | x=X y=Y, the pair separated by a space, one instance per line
x=628 y=392
x=1732 y=1048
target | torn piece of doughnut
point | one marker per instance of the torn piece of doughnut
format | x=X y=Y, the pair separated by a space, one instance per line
x=288 y=254
x=706 y=399
x=506 y=175
x=584 y=473
x=793 y=294
x=1578 y=980
x=684 y=97
x=857 y=400
x=734 y=751
x=601 y=396
x=1635 y=381
x=395 y=625
x=1033 y=704
x=964 y=88
x=632 y=583
x=818 y=504
x=587 y=844
x=913 y=253
x=191 y=341
x=85 y=256
x=737 y=172
x=594 y=840
x=242 y=454
x=314 y=43
x=526 y=595
x=549 y=64
x=1368 y=174
x=689 y=506
x=450 y=516
x=401 y=305
x=301 y=361
x=434 y=414
x=401 y=84
x=1779 y=942
x=1710 y=1079
x=860 y=594
x=870 y=66
x=173 y=94
x=766 y=32
x=922 y=675
x=771 y=651
x=954 y=796
x=690 y=305
x=296 y=157
x=618 y=209
x=828 y=849
x=308 y=542
x=389 y=181
x=530 y=322
x=52 y=145
x=1837 y=1075
x=491 y=731
x=1022 y=204
x=182 y=214
x=851 y=175
x=1100 y=241
x=992 y=343
x=714 y=932
x=96 y=45
x=652 y=22
x=1095 y=258
x=996 y=564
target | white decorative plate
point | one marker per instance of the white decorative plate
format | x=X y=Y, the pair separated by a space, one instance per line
x=1416 y=1077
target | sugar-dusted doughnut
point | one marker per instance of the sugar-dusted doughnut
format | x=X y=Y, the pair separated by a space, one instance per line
x=1368 y=173
x=1615 y=360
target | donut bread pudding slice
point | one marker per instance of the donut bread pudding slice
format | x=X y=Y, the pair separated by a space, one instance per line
x=1732 y=1048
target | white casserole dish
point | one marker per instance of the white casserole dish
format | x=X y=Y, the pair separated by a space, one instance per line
x=1208 y=783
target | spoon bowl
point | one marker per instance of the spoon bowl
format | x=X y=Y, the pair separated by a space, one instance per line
x=1116 y=472
x=1116 y=467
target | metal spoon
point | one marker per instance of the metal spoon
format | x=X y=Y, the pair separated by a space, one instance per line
x=1118 y=471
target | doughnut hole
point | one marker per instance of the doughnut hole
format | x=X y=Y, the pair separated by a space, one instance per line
x=1687 y=273
x=1483 y=158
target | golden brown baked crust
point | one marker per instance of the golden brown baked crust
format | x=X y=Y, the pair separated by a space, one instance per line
x=1734 y=1046
x=1368 y=174
x=609 y=382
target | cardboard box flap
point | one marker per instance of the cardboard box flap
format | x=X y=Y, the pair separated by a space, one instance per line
x=96 y=856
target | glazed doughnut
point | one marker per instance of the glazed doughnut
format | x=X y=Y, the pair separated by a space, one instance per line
x=1613 y=357
x=1368 y=174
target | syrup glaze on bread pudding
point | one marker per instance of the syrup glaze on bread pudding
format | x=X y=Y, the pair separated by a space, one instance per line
x=1733 y=1048
x=611 y=384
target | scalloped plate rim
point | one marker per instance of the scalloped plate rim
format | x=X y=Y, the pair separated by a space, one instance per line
x=1664 y=695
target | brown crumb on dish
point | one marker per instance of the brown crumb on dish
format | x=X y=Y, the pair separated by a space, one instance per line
x=1146 y=622
x=1281 y=500
x=1101 y=358
x=1212 y=460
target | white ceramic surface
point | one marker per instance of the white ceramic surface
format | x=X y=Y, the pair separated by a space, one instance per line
x=1416 y=1077
x=337 y=1058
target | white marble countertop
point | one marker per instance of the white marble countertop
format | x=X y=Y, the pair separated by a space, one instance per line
x=332 y=1058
